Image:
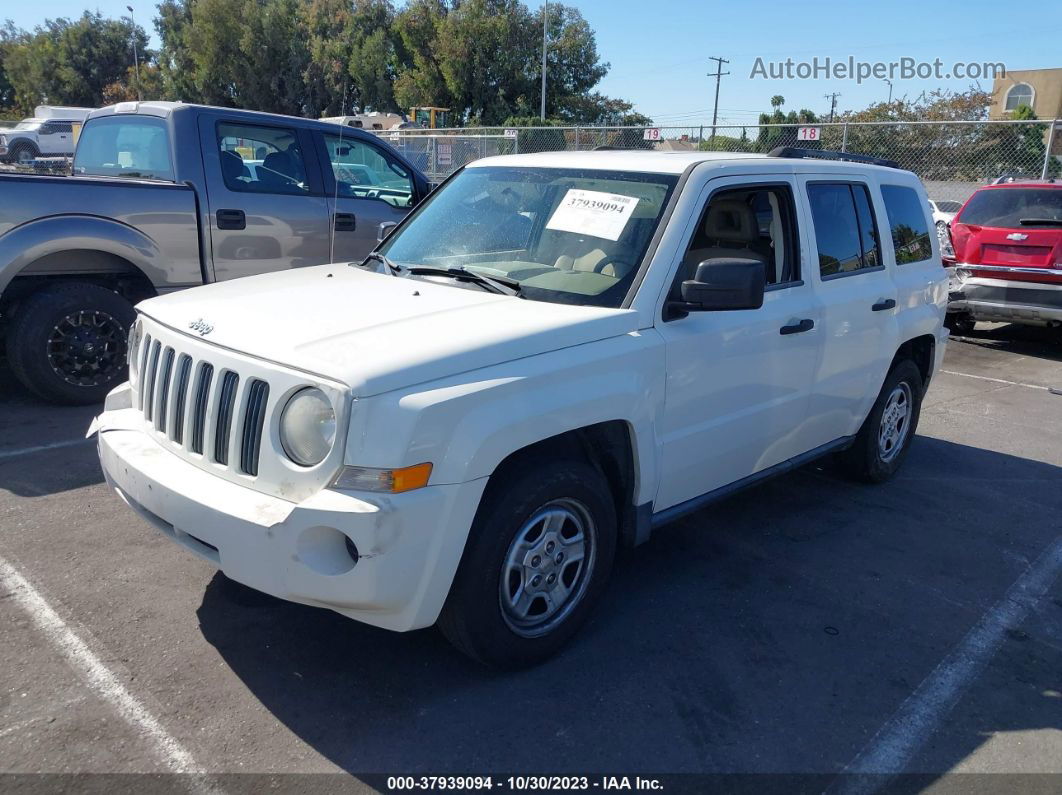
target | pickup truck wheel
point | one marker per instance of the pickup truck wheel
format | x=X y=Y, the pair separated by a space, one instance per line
x=67 y=343
x=537 y=559
x=24 y=154
x=883 y=441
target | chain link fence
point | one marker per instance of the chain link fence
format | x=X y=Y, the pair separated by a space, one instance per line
x=952 y=158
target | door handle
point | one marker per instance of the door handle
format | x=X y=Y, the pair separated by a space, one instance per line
x=344 y=222
x=881 y=306
x=807 y=324
x=231 y=219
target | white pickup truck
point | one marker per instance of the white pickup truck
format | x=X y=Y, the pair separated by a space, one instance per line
x=551 y=356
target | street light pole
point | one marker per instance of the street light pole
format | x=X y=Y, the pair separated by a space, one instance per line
x=545 y=20
x=890 y=88
x=136 y=58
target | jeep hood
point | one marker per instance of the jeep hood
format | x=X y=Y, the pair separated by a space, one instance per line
x=375 y=332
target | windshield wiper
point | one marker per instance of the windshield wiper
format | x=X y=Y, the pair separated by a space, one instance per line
x=1041 y=222
x=495 y=284
x=384 y=260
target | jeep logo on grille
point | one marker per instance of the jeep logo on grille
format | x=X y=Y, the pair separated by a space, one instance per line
x=201 y=326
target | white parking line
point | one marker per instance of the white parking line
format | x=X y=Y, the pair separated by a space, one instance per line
x=995 y=380
x=103 y=681
x=42 y=447
x=898 y=741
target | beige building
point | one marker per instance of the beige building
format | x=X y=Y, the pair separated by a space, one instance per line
x=1040 y=89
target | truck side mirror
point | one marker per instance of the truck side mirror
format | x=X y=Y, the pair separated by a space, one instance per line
x=725 y=283
x=384 y=230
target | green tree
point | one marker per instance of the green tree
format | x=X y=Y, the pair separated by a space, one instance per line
x=176 y=65
x=372 y=62
x=64 y=62
x=420 y=79
x=326 y=25
x=484 y=48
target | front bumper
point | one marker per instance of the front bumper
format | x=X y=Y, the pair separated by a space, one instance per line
x=1005 y=300
x=410 y=544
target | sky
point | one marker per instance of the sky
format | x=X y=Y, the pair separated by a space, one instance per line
x=659 y=52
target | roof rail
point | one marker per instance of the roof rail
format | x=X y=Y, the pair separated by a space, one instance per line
x=829 y=154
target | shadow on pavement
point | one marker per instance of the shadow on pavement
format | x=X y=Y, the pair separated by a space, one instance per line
x=30 y=424
x=1041 y=343
x=773 y=632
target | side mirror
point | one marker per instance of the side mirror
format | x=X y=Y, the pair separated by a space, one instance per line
x=385 y=229
x=724 y=284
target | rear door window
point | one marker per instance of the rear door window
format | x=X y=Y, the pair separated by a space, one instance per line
x=907 y=223
x=1014 y=207
x=845 y=232
x=124 y=146
x=260 y=159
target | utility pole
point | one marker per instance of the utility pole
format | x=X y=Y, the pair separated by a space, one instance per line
x=833 y=102
x=545 y=20
x=717 y=74
x=136 y=58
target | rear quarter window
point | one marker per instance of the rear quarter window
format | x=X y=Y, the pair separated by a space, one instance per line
x=907 y=222
x=137 y=147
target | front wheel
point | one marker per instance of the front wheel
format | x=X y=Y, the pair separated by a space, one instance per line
x=24 y=154
x=67 y=342
x=882 y=443
x=537 y=559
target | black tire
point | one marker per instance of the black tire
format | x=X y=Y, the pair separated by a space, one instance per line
x=67 y=342
x=20 y=150
x=959 y=323
x=473 y=618
x=865 y=460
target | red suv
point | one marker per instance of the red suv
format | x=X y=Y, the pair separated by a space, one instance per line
x=1008 y=256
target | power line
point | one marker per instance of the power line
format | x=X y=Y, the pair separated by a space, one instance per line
x=833 y=101
x=718 y=75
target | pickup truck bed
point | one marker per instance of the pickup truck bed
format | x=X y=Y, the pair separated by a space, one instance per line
x=166 y=196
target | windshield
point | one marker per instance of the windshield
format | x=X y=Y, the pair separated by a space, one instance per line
x=28 y=124
x=1008 y=207
x=948 y=207
x=574 y=236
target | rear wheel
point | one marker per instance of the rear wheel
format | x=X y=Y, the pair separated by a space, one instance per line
x=959 y=323
x=67 y=342
x=882 y=443
x=537 y=559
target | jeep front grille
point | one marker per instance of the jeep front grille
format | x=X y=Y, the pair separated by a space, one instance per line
x=183 y=399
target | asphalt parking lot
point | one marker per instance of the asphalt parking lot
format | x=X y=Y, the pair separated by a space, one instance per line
x=810 y=625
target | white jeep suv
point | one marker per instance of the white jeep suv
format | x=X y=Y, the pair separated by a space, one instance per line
x=553 y=355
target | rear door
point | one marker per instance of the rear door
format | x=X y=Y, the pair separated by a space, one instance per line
x=267 y=206
x=365 y=186
x=859 y=300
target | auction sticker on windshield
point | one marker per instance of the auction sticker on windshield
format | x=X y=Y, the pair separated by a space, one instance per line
x=591 y=212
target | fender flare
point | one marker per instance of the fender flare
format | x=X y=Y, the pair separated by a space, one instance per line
x=29 y=242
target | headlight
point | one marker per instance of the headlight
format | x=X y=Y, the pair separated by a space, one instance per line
x=133 y=350
x=308 y=427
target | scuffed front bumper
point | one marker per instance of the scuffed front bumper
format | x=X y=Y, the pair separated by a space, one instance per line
x=1005 y=300
x=410 y=544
